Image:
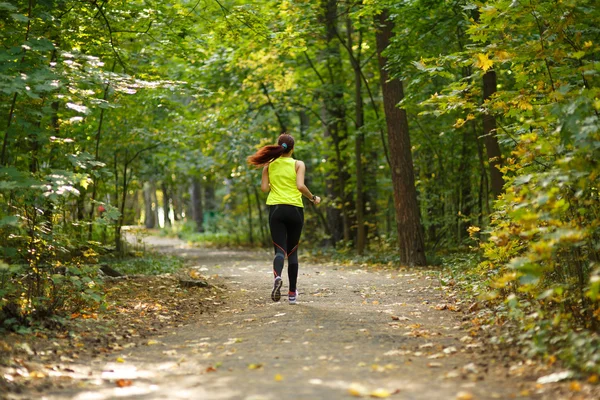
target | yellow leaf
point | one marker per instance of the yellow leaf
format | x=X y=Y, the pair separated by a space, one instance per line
x=464 y=396
x=501 y=55
x=575 y=386
x=483 y=62
x=278 y=378
x=37 y=374
x=380 y=393
x=120 y=360
x=151 y=342
x=255 y=366
x=357 y=390
x=459 y=122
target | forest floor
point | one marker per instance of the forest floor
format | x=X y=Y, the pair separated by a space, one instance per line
x=356 y=331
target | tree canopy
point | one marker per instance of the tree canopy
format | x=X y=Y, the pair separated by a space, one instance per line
x=428 y=126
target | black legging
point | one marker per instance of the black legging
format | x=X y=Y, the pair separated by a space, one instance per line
x=286 y=224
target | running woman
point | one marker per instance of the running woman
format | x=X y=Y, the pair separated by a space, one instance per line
x=283 y=178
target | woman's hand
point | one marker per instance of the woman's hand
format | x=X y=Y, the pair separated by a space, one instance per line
x=316 y=200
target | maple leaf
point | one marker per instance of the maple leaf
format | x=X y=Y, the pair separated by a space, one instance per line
x=483 y=62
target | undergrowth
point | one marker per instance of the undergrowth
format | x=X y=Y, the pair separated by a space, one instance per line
x=147 y=263
x=521 y=321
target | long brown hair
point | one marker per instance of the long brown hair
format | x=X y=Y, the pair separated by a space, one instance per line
x=285 y=144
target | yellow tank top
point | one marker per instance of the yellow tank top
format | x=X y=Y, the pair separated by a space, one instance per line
x=282 y=177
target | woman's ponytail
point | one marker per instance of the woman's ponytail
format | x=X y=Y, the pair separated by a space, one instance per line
x=266 y=154
x=285 y=143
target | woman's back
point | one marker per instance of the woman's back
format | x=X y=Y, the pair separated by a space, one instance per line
x=282 y=178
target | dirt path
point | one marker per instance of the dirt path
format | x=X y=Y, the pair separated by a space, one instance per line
x=354 y=332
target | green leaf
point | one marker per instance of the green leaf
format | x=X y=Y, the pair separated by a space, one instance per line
x=19 y=17
x=7 y=6
x=10 y=220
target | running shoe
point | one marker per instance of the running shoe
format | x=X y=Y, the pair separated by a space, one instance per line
x=293 y=296
x=276 y=293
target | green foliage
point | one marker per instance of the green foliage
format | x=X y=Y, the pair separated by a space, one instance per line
x=147 y=264
x=543 y=246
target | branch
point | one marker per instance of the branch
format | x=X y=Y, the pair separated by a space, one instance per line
x=266 y=92
x=110 y=34
x=140 y=152
x=313 y=68
x=311 y=111
x=226 y=11
x=356 y=64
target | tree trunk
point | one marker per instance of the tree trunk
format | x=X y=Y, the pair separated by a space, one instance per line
x=260 y=215
x=155 y=206
x=196 y=204
x=209 y=194
x=250 y=225
x=491 y=140
x=335 y=115
x=178 y=203
x=359 y=139
x=408 y=224
x=149 y=221
x=166 y=204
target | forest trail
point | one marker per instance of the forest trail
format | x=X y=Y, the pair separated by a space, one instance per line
x=353 y=332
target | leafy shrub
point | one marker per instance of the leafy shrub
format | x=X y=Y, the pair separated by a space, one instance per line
x=148 y=264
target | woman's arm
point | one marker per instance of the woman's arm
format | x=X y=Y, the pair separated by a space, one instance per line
x=264 y=182
x=300 y=172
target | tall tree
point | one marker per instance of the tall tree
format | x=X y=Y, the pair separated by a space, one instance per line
x=491 y=140
x=408 y=223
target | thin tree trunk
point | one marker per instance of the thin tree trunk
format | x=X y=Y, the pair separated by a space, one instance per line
x=408 y=224
x=166 y=204
x=250 y=224
x=196 y=203
x=97 y=154
x=359 y=139
x=491 y=140
x=336 y=129
x=263 y=231
x=155 y=205
x=149 y=221
x=4 y=156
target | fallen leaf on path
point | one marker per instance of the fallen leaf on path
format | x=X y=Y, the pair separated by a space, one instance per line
x=575 y=386
x=451 y=374
x=37 y=374
x=278 y=378
x=555 y=377
x=380 y=393
x=255 y=366
x=120 y=360
x=357 y=390
x=401 y=318
x=434 y=365
x=210 y=369
x=397 y=353
x=450 y=350
x=436 y=355
x=470 y=368
x=123 y=382
x=464 y=396
x=152 y=342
